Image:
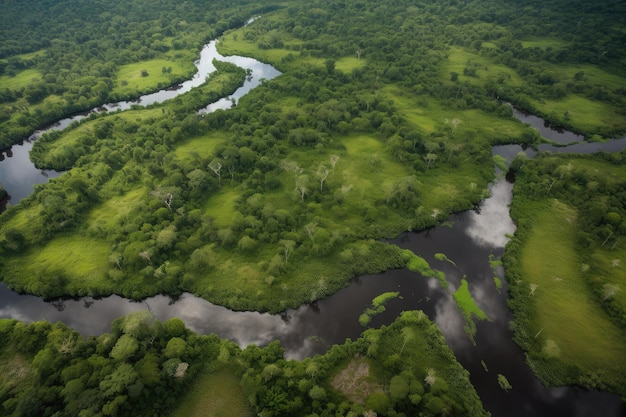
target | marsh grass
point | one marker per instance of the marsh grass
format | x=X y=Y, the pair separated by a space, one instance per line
x=544 y=43
x=214 y=394
x=349 y=63
x=566 y=313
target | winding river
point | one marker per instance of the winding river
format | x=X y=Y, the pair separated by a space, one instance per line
x=312 y=328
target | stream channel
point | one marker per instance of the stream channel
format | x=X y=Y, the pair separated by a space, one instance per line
x=467 y=238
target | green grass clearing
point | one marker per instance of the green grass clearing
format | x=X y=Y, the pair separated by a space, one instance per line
x=108 y=216
x=130 y=79
x=349 y=63
x=202 y=146
x=460 y=59
x=81 y=259
x=576 y=330
x=20 y=80
x=214 y=394
x=221 y=206
x=585 y=114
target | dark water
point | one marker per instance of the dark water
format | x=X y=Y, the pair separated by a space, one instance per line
x=468 y=240
x=548 y=130
x=18 y=175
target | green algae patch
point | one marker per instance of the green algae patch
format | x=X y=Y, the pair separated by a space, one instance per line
x=466 y=303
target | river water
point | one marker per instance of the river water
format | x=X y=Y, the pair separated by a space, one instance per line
x=468 y=239
x=18 y=174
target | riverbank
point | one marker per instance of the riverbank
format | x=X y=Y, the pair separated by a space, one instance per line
x=562 y=267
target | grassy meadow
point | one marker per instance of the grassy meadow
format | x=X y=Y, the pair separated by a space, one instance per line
x=21 y=79
x=131 y=80
x=215 y=393
x=570 y=328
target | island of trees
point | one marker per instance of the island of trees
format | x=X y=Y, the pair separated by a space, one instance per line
x=382 y=122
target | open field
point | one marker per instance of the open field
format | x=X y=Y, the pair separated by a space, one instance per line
x=80 y=262
x=460 y=59
x=21 y=80
x=573 y=328
x=214 y=394
x=130 y=78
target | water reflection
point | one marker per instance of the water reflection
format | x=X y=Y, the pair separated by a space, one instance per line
x=18 y=175
x=555 y=133
x=311 y=329
x=491 y=227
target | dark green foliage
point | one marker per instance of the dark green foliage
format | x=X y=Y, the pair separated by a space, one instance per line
x=129 y=372
x=83 y=54
x=273 y=389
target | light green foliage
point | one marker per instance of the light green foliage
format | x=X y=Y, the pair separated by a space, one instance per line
x=118 y=381
x=418 y=264
x=124 y=348
x=468 y=307
x=377 y=307
x=443 y=257
x=504 y=383
x=175 y=348
x=500 y=162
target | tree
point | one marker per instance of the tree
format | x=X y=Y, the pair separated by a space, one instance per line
x=165 y=196
x=292 y=167
x=116 y=259
x=430 y=158
x=322 y=173
x=216 y=167
x=302 y=183
x=288 y=247
x=398 y=388
x=166 y=237
x=124 y=348
x=609 y=291
x=198 y=179
x=14 y=240
x=330 y=65
x=145 y=255
x=175 y=348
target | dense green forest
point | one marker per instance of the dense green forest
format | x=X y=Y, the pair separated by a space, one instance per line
x=143 y=366
x=382 y=121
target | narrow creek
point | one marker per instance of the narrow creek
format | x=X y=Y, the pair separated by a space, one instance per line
x=469 y=240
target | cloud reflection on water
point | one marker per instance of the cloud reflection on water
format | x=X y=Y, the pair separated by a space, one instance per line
x=489 y=227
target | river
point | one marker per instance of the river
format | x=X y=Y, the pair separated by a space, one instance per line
x=19 y=175
x=470 y=240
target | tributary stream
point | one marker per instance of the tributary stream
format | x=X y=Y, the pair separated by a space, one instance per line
x=468 y=238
